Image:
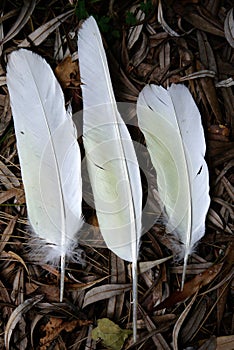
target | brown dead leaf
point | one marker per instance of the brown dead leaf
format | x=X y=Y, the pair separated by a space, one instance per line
x=67 y=73
x=229 y=27
x=5 y=112
x=190 y=287
x=140 y=52
x=156 y=338
x=135 y=31
x=5 y=299
x=7 y=177
x=41 y=33
x=51 y=292
x=7 y=233
x=180 y=321
x=25 y=13
x=225 y=342
x=200 y=18
x=16 y=317
x=206 y=52
x=118 y=275
x=194 y=321
x=209 y=91
x=219 y=130
x=13 y=256
x=17 y=295
x=13 y=192
x=55 y=326
x=105 y=292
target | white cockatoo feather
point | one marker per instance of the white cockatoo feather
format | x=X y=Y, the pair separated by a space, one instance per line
x=111 y=160
x=171 y=124
x=49 y=156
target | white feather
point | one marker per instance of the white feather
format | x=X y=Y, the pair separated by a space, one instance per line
x=174 y=135
x=49 y=156
x=111 y=159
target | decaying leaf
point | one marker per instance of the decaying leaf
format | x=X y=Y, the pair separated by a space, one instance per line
x=105 y=292
x=191 y=287
x=158 y=339
x=111 y=334
x=135 y=31
x=225 y=342
x=229 y=27
x=7 y=233
x=67 y=73
x=7 y=177
x=162 y=21
x=25 y=13
x=41 y=33
x=146 y=265
x=55 y=326
x=179 y=323
x=5 y=112
x=118 y=275
x=16 y=316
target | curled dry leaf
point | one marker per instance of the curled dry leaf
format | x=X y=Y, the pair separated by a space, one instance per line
x=229 y=27
x=180 y=321
x=225 y=83
x=225 y=342
x=191 y=287
x=41 y=33
x=5 y=299
x=55 y=326
x=13 y=256
x=135 y=31
x=209 y=91
x=67 y=73
x=209 y=344
x=194 y=321
x=206 y=52
x=25 y=13
x=13 y=192
x=141 y=52
x=7 y=178
x=58 y=46
x=17 y=315
x=157 y=338
x=7 y=233
x=5 y=112
x=118 y=275
x=200 y=19
x=163 y=23
x=147 y=265
x=105 y=292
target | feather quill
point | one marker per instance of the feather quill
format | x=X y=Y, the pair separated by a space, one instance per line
x=171 y=124
x=111 y=159
x=49 y=157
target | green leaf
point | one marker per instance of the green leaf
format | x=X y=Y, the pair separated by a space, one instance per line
x=80 y=10
x=130 y=18
x=104 y=24
x=113 y=337
x=146 y=6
